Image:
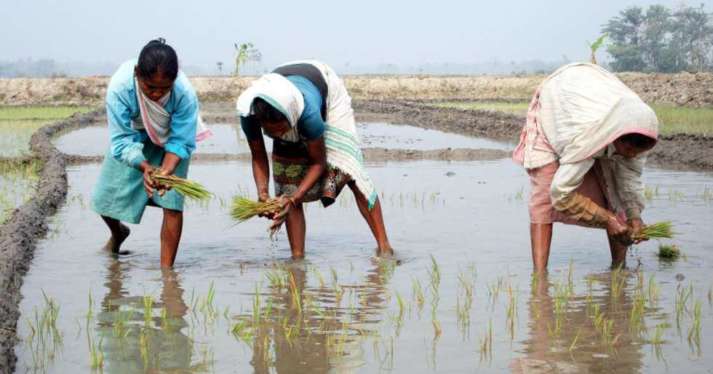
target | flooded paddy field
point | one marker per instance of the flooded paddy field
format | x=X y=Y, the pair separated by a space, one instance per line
x=18 y=174
x=459 y=297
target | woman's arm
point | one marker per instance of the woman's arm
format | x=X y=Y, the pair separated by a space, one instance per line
x=577 y=206
x=627 y=177
x=126 y=142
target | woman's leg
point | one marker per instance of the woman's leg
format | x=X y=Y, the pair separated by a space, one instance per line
x=170 y=236
x=119 y=233
x=374 y=219
x=618 y=252
x=540 y=240
x=296 y=228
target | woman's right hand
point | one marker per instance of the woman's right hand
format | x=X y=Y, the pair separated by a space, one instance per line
x=618 y=229
x=262 y=197
x=149 y=184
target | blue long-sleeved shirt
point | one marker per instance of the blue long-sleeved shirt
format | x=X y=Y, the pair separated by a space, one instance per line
x=122 y=106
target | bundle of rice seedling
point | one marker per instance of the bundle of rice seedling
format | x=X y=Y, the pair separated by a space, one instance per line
x=185 y=187
x=660 y=230
x=244 y=208
x=669 y=252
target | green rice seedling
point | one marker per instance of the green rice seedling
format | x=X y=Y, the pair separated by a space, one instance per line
x=573 y=345
x=402 y=305
x=659 y=230
x=707 y=194
x=636 y=316
x=241 y=331
x=659 y=331
x=651 y=193
x=694 y=334
x=511 y=311
x=653 y=292
x=463 y=317
x=435 y=274
x=256 y=306
x=417 y=294
x=244 y=208
x=120 y=326
x=675 y=196
x=185 y=187
x=486 y=343
x=320 y=278
x=437 y=330
x=570 y=278
x=669 y=252
x=96 y=355
x=144 y=348
x=683 y=295
x=148 y=309
x=295 y=292
x=90 y=310
x=617 y=284
x=495 y=288
x=164 y=319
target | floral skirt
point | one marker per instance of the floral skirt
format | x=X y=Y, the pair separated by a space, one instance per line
x=289 y=166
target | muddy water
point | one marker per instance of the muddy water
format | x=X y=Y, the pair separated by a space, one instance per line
x=17 y=182
x=92 y=141
x=15 y=136
x=236 y=303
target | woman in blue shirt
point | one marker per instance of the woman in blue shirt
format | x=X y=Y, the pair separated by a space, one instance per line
x=305 y=108
x=152 y=112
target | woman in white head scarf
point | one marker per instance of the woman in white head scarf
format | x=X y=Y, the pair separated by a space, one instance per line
x=305 y=108
x=584 y=146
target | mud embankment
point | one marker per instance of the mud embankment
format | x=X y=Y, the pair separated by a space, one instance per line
x=679 y=151
x=692 y=90
x=26 y=225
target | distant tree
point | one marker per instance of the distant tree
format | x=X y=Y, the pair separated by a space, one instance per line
x=625 y=32
x=243 y=53
x=693 y=38
x=220 y=67
x=656 y=48
x=660 y=40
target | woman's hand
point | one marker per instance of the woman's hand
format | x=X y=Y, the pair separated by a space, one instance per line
x=636 y=225
x=618 y=229
x=263 y=197
x=162 y=188
x=149 y=183
x=287 y=203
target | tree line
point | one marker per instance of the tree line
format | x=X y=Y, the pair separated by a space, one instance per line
x=660 y=39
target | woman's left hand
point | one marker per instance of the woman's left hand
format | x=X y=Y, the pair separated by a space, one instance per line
x=637 y=225
x=160 y=187
x=287 y=203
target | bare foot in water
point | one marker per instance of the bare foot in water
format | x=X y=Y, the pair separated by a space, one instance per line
x=385 y=253
x=114 y=243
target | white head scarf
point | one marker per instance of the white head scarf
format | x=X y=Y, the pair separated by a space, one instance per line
x=280 y=93
x=584 y=108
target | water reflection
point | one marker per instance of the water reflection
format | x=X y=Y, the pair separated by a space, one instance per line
x=316 y=329
x=599 y=332
x=137 y=333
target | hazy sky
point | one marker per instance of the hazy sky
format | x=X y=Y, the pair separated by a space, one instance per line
x=362 y=32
